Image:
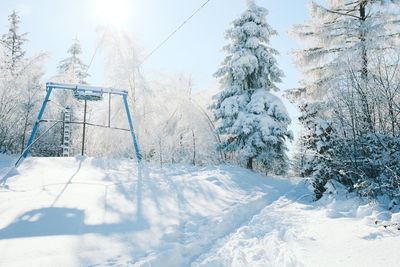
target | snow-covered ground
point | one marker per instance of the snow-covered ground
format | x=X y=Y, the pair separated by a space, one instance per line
x=106 y=212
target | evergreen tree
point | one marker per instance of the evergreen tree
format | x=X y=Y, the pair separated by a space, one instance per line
x=253 y=121
x=72 y=69
x=12 y=43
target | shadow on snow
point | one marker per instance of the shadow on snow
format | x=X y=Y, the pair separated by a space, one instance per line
x=63 y=221
x=53 y=221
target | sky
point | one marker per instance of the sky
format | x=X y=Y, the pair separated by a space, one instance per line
x=195 y=50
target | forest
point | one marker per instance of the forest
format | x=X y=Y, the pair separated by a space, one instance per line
x=349 y=100
x=116 y=151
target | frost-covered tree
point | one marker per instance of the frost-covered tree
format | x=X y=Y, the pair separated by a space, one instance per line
x=20 y=87
x=351 y=72
x=12 y=42
x=122 y=58
x=253 y=121
x=73 y=69
x=341 y=32
x=173 y=131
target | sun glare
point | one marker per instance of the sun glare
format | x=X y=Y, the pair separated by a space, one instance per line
x=114 y=12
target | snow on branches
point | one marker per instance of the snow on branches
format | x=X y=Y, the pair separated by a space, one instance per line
x=252 y=119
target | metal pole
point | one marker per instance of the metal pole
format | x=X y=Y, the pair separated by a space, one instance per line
x=84 y=129
x=36 y=126
x=128 y=114
x=63 y=130
x=109 y=110
x=37 y=139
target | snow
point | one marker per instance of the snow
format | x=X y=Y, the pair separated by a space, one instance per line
x=249 y=119
x=107 y=212
x=295 y=232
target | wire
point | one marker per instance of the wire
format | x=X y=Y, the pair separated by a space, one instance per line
x=94 y=53
x=158 y=46
x=57 y=104
x=174 y=32
x=91 y=60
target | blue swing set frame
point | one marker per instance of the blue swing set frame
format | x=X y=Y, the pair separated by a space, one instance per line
x=80 y=91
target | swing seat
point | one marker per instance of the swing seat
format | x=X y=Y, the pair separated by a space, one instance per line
x=88 y=95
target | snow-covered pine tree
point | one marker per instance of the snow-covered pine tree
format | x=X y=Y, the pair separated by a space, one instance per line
x=12 y=43
x=72 y=69
x=253 y=121
x=309 y=113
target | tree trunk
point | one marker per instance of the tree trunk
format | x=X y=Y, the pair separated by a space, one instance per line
x=250 y=163
x=160 y=152
x=364 y=55
x=364 y=73
x=392 y=118
x=194 y=148
x=24 y=132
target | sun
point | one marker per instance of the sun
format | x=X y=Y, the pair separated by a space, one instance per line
x=114 y=12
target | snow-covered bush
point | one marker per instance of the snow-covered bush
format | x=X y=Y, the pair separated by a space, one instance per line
x=368 y=165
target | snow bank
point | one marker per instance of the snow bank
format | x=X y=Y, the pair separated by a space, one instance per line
x=102 y=212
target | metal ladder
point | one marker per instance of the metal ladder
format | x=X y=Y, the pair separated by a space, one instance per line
x=66 y=132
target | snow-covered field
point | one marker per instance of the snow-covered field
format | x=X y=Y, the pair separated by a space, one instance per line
x=105 y=212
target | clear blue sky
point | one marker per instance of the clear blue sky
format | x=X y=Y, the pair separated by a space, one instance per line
x=195 y=49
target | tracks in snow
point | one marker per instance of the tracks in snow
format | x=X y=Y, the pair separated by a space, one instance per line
x=197 y=239
x=269 y=238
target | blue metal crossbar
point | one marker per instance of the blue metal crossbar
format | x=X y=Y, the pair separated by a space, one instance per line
x=83 y=88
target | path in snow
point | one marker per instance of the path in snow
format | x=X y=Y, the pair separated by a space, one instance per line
x=295 y=231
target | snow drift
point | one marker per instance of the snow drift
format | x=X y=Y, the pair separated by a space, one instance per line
x=106 y=212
